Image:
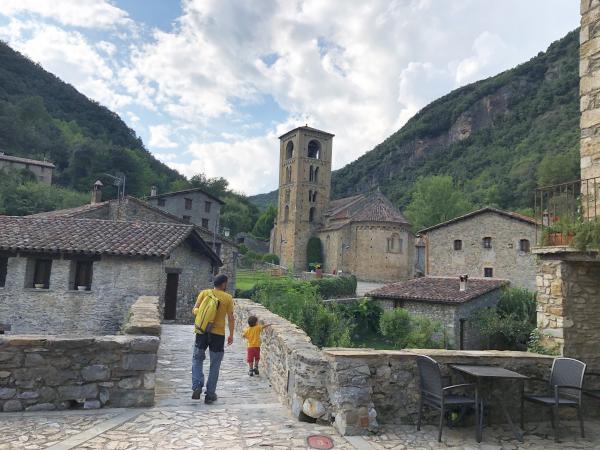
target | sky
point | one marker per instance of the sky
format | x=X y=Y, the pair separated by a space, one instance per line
x=209 y=85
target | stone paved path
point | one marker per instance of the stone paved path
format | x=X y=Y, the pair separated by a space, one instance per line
x=247 y=415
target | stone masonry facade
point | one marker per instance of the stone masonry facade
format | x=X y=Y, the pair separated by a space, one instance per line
x=505 y=257
x=359 y=389
x=569 y=307
x=60 y=372
x=116 y=283
x=363 y=249
x=449 y=316
x=589 y=86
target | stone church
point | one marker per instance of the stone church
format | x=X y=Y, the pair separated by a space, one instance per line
x=365 y=234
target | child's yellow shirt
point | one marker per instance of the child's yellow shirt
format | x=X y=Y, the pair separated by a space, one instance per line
x=252 y=335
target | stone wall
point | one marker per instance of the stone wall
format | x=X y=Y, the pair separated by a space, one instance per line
x=589 y=86
x=116 y=283
x=61 y=372
x=195 y=274
x=449 y=315
x=297 y=369
x=357 y=390
x=568 y=311
x=371 y=387
x=505 y=258
x=175 y=204
x=367 y=255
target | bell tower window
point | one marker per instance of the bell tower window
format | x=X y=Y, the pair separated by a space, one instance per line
x=316 y=175
x=314 y=149
x=286 y=216
x=289 y=150
x=311 y=214
x=311 y=174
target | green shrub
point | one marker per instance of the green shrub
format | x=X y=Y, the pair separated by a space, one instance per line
x=270 y=258
x=406 y=331
x=508 y=326
x=314 y=251
x=300 y=303
x=364 y=314
x=336 y=287
x=395 y=325
x=243 y=249
x=534 y=345
x=587 y=236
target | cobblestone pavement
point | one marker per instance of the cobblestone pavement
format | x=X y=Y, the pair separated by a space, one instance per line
x=246 y=415
x=537 y=436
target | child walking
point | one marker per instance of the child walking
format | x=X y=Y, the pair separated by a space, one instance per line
x=252 y=335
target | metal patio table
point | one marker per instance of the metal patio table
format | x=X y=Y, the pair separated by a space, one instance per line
x=492 y=373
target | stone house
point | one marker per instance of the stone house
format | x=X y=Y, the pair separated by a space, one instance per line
x=82 y=275
x=441 y=299
x=190 y=205
x=364 y=234
x=489 y=243
x=41 y=169
x=133 y=209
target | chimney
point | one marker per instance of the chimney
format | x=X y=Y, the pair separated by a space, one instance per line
x=153 y=191
x=463 y=282
x=97 y=192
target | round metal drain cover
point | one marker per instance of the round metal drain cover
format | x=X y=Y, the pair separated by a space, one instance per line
x=319 y=441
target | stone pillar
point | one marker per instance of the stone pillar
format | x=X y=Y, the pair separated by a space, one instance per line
x=589 y=87
x=550 y=298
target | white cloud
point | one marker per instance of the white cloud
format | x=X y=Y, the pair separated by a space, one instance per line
x=160 y=137
x=357 y=69
x=78 y=13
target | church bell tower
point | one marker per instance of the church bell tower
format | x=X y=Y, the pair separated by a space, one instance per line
x=304 y=189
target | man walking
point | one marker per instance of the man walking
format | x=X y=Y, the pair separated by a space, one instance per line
x=213 y=340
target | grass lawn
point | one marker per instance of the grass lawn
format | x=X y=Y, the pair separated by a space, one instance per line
x=246 y=279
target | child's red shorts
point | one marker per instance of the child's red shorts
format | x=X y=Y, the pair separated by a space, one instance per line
x=253 y=354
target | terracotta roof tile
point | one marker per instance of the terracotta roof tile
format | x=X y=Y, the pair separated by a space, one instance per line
x=438 y=289
x=71 y=212
x=91 y=236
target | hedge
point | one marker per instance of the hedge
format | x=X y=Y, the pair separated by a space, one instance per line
x=336 y=287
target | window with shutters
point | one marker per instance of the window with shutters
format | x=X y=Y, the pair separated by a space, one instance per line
x=81 y=275
x=188 y=203
x=457 y=244
x=3 y=271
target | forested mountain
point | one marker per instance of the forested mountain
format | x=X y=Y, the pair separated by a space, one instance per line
x=497 y=138
x=43 y=117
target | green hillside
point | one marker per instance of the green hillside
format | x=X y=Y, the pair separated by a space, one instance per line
x=43 y=117
x=497 y=138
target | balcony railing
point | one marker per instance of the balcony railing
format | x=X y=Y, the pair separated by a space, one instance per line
x=560 y=207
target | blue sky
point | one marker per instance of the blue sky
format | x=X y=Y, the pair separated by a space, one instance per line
x=210 y=84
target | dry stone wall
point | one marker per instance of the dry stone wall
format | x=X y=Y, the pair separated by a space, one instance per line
x=60 y=372
x=358 y=389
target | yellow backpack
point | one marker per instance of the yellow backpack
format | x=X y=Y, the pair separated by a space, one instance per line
x=207 y=311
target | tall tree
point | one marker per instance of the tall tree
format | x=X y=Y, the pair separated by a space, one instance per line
x=264 y=224
x=435 y=199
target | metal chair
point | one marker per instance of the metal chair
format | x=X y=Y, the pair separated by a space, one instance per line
x=566 y=382
x=595 y=393
x=435 y=395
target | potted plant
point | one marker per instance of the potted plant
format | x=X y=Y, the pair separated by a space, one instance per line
x=560 y=233
x=82 y=288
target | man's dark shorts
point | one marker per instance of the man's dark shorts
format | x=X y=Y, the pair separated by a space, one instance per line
x=214 y=342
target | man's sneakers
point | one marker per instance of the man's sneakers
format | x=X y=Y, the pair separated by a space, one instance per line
x=210 y=398
x=197 y=393
x=256 y=371
x=251 y=372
